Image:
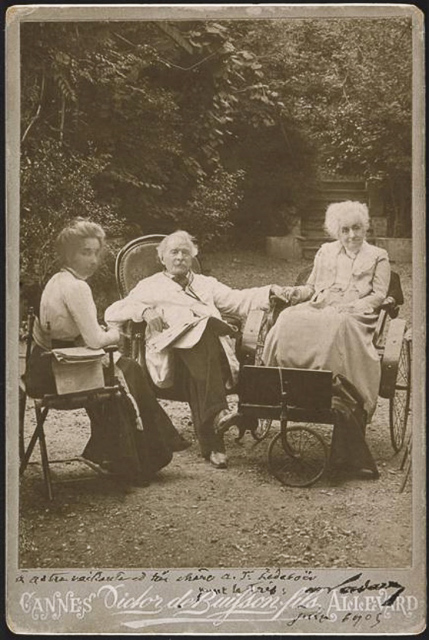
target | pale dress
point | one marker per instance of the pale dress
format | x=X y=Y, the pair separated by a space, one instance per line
x=317 y=334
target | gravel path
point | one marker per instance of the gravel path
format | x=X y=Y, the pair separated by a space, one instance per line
x=193 y=515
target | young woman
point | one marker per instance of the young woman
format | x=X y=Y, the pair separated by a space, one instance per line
x=130 y=435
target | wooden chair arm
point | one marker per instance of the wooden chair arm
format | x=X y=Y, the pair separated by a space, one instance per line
x=111 y=349
x=390 y=305
x=133 y=330
x=234 y=321
x=130 y=329
x=110 y=372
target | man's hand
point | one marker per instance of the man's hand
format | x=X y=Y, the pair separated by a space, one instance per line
x=153 y=320
x=290 y=295
x=280 y=292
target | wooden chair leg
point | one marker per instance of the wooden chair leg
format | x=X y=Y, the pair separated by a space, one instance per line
x=39 y=434
x=29 y=451
x=45 y=465
x=41 y=417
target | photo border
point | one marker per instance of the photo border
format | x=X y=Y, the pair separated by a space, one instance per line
x=103 y=618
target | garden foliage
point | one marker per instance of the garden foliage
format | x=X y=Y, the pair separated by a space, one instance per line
x=219 y=127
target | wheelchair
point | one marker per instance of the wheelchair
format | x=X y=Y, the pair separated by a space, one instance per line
x=299 y=399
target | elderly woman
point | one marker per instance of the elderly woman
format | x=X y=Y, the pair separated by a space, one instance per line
x=141 y=440
x=202 y=360
x=333 y=327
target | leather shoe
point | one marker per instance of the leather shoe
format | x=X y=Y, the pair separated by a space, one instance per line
x=224 y=420
x=218 y=459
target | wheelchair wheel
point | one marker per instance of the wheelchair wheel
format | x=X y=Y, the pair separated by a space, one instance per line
x=261 y=429
x=258 y=428
x=297 y=456
x=399 y=403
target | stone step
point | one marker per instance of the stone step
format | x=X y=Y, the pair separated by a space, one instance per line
x=315 y=242
x=315 y=222
x=313 y=234
x=346 y=183
x=337 y=195
x=310 y=245
x=317 y=231
x=318 y=210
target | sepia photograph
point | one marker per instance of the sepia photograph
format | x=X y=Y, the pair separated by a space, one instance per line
x=215 y=319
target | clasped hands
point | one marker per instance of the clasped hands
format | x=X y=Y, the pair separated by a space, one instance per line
x=289 y=295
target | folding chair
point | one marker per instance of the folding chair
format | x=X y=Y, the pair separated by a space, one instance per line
x=60 y=402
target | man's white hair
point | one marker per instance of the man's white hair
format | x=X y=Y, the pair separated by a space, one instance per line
x=336 y=212
x=181 y=235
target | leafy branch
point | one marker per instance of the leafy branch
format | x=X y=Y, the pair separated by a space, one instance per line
x=38 y=110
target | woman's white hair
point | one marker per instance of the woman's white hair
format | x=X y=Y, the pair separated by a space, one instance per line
x=336 y=211
x=181 y=235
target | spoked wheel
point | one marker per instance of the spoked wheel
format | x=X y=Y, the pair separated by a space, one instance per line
x=261 y=429
x=399 y=402
x=297 y=456
x=258 y=427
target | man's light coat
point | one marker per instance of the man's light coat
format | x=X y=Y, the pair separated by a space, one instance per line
x=203 y=296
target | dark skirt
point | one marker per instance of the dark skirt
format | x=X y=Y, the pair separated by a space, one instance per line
x=134 y=453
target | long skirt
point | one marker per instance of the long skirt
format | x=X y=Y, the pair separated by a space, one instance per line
x=308 y=337
x=131 y=431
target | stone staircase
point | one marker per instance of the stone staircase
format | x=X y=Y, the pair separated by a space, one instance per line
x=329 y=190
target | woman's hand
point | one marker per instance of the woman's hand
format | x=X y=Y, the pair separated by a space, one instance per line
x=153 y=320
x=296 y=295
x=282 y=293
x=291 y=295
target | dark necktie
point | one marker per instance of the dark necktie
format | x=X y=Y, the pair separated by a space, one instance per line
x=182 y=280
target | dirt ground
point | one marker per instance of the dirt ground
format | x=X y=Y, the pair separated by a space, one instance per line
x=193 y=515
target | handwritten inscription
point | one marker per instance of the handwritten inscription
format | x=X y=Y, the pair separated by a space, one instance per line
x=199 y=575
x=91 y=576
x=270 y=598
x=352 y=585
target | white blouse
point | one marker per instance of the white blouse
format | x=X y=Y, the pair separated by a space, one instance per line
x=67 y=311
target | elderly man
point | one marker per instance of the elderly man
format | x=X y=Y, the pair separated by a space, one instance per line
x=186 y=307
